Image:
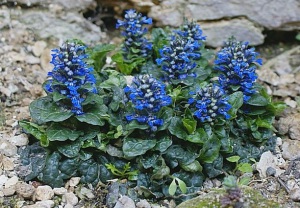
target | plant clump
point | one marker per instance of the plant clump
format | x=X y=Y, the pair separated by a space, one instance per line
x=183 y=117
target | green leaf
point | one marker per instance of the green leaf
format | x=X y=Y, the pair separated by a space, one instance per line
x=189 y=124
x=257 y=100
x=192 y=167
x=133 y=147
x=176 y=155
x=97 y=56
x=244 y=181
x=115 y=79
x=298 y=36
x=160 y=169
x=35 y=130
x=236 y=101
x=163 y=144
x=51 y=174
x=166 y=114
x=69 y=149
x=198 y=137
x=136 y=125
x=95 y=115
x=93 y=98
x=233 y=159
x=182 y=185
x=265 y=123
x=57 y=96
x=57 y=132
x=230 y=182
x=245 y=168
x=127 y=67
x=89 y=170
x=276 y=107
x=43 y=110
x=177 y=128
x=210 y=150
x=172 y=187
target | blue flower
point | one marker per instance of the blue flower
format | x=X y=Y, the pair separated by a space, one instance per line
x=208 y=103
x=147 y=96
x=71 y=76
x=178 y=58
x=238 y=63
x=135 y=44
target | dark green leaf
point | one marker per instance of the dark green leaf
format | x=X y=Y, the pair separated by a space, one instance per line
x=210 y=150
x=160 y=170
x=163 y=144
x=133 y=147
x=89 y=170
x=95 y=115
x=198 y=137
x=97 y=55
x=176 y=128
x=69 y=167
x=192 y=167
x=70 y=149
x=177 y=155
x=57 y=132
x=257 y=100
x=43 y=110
x=236 y=101
x=214 y=169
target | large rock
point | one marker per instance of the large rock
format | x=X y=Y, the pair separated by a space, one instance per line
x=283 y=15
x=77 y=5
x=217 y=32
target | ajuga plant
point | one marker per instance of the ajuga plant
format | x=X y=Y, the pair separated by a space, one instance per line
x=164 y=129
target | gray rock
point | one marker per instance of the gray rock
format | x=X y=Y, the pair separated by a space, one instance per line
x=20 y=140
x=38 y=48
x=70 y=198
x=9 y=191
x=143 y=204
x=125 y=202
x=11 y=182
x=60 y=191
x=295 y=194
x=270 y=171
x=7 y=148
x=43 y=193
x=66 y=4
x=25 y=190
x=63 y=26
x=290 y=149
x=282 y=15
x=244 y=30
x=266 y=161
x=112 y=195
x=290 y=125
x=3 y=179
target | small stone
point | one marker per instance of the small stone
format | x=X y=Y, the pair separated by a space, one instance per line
x=32 y=60
x=271 y=171
x=143 y=204
x=278 y=141
x=38 y=48
x=44 y=193
x=25 y=190
x=87 y=192
x=3 y=179
x=295 y=194
x=70 y=198
x=267 y=159
x=125 y=202
x=68 y=206
x=11 y=182
x=45 y=203
x=9 y=191
x=45 y=60
x=20 y=140
x=7 y=148
x=290 y=149
x=60 y=191
x=74 y=181
x=290 y=102
x=8 y=163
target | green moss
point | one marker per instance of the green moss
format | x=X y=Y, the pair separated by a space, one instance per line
x=251 y=197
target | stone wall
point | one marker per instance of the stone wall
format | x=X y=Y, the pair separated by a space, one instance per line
x=220 y=19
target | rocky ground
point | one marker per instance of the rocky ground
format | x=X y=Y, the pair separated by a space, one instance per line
x=26 y=38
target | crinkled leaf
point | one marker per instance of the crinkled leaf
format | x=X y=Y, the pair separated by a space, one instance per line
x=210 y=150
x=97 y=56
x=57 y=132
x=133 y=147
x=89 y=170
x=95 y=115
x=214 y=169
x=51 y=174
x=166 y=114
x=150 y=161
x=115 y=79
x=192 y=167
x=93 y=98
x=175 y=155
x=43 y=110
x=177 y=128
x=32 y=161
x=69 y=167
x=198 y=137
x=70 y=149
x=114 y=151
x=163 y=144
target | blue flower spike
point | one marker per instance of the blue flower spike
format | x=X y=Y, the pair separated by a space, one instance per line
x=147 y=96
x=238 y=63
x=209 y=103
x=71 y=77
x=135 y=44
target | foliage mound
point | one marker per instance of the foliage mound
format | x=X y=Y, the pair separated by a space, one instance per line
x=165 y=114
